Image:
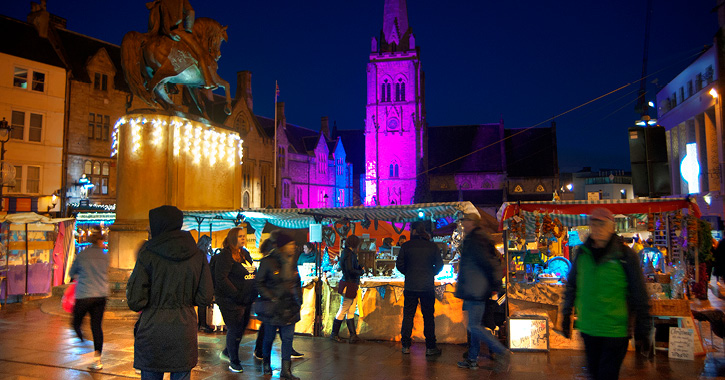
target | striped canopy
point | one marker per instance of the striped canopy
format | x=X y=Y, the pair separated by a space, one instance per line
x=302 y=218
x=580 y=209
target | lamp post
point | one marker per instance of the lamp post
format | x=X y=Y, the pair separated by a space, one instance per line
x=5 y=129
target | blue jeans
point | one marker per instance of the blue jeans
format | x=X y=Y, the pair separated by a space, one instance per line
x=149 y=375
x=286 y=334
x=479 y=333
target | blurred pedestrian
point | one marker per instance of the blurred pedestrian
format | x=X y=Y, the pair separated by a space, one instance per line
x=420 y=261
x=607 y=287
x=479 y=275
x=348 y=287
x=90 y=270
x=280 y=300
x=204 y=245
x=170 y=277
x=234 y=291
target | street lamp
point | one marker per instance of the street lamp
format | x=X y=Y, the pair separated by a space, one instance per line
x=53 y=202
x=5 y=129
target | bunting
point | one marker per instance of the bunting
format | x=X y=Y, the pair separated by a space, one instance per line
x=398 y=291
x=381 y=291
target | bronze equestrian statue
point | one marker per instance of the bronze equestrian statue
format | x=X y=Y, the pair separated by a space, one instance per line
x=176 y=50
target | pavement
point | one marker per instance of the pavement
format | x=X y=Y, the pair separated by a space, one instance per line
x=37 y=342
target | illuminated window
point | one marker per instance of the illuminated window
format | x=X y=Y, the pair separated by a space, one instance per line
x=21 y=76
x=88 y=168
x=341 y=199
x=17 y=186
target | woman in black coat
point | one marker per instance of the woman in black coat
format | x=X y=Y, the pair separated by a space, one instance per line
x=170 y=277
x=349 y=284
x=280 y=300
x=234 y=274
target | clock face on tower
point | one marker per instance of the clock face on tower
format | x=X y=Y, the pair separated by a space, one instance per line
x=393 y=125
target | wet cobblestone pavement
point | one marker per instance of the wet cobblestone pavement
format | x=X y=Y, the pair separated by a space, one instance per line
x=36 y=342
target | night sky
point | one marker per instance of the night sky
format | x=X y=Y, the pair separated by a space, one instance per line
x=524 y=60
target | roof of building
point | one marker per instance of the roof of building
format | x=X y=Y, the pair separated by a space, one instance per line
x=19 y=35
x=448 y=148
x=79 y=48
x=531 y=152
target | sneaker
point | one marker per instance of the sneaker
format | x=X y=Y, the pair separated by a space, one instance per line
x=502 y=361
x=433 y=351
x=258 y=354
x=236 y=367
x=96 y=366
x=224 y=356
x=296 y=355
x=470 y=364
x=405 y=350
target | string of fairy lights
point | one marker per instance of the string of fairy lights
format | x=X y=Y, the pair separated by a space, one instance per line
x=199 y=141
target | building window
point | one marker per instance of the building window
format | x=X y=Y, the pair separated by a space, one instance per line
x=285 y=189
x=682 y=95
x=674 y=100
x=99 y=126
x=689 y=88
x=100 y=82
x=341 y=200
x=98 y=173
x=245 y=200
x=397 y=92
x=402 y=91
x=698 y=82
x=298 y=199
x=281 y=157
x=17 y=186
x=27 y=127
x=20 y=79
x=709 y=75
x=321 y=164
x=382 y=92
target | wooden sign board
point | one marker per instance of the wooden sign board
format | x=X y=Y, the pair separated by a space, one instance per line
x=682 y=343
x=529 y=333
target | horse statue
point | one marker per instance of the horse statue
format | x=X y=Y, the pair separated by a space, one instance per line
x=153 y=63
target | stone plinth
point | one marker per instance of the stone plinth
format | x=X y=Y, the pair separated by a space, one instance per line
x=169 y=160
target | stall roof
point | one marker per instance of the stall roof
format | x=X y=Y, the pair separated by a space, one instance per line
x=303 y=217
x=616 y=206
x=30 y=217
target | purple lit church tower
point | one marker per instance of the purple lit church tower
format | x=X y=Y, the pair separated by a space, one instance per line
x=395 y=129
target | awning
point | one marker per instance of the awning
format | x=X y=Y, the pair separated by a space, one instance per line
x=302 y=218
x=582 y=207
x=30 y=217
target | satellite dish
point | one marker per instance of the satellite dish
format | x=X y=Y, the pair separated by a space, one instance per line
x=8 y=173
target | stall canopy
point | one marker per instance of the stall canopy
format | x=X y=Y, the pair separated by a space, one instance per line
x=579 y=209
x=302 y=218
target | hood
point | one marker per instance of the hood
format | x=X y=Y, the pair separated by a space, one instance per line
x=165 y=219
x=167 y=238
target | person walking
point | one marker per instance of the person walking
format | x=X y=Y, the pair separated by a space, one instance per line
x=479 y=275
x=611 y=291
x=234 y=274
x=204 y=245
x=170 y=277
x=348 y=286
x=280 y=300
x=90 y=270
x=420 y=261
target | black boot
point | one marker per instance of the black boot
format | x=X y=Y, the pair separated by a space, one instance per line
x=353 y=333
x=287 y=371
x=267 y=366
x=336 y=331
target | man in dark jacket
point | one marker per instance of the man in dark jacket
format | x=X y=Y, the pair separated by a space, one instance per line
x=171 y=276
x=610 y=291
x=479 y=274
x=420 y=261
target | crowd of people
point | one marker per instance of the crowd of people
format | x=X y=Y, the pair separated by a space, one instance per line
x=172 y=275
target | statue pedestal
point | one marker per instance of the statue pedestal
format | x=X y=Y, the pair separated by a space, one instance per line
x=169 y=160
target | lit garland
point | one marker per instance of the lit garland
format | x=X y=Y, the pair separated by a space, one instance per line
x=195 y=139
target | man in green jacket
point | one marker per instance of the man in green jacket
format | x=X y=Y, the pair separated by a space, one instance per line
x=606 y=286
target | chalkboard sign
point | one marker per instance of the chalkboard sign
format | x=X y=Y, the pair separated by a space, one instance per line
x=530 y=333
x=682 y=343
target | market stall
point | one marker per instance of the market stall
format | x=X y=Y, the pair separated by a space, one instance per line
x=380 y=295
x=34 y=252
x=539 y=236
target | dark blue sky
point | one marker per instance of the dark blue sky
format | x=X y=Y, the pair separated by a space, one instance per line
x=526 y=60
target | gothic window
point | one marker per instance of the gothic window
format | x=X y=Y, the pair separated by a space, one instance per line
x=393 y=124
x=342 y=198
x=397 y=174
x=382 y=92
x=298 y=199
x=387 y=92
x=402 y=91
x=245 y=200
x=397 y=92
x=392 y=172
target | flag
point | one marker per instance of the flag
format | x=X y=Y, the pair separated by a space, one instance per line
x=277 y=91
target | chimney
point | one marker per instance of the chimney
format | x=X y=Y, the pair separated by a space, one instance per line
x=281 y=119
x=244 y=88
x=325 y=127
x=40 y=18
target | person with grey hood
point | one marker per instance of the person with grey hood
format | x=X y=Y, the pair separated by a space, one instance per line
x=170 y=277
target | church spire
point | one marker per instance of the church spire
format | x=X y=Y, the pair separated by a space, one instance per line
x=395 y=22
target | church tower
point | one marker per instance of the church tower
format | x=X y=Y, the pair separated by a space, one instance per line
x=395 y=129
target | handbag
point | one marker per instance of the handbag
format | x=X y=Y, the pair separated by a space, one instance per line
x=68 y=300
